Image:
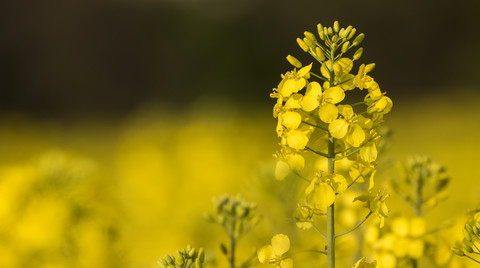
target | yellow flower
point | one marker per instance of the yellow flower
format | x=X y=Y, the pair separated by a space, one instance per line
x=272 y=254
x=348 y=124
x=362 y=80
x=362 y=263
x=294 y=81
x=376 y=204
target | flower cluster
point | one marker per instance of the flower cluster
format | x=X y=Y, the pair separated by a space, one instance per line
x=183 y=258
x=312 y=109
x=471 y=238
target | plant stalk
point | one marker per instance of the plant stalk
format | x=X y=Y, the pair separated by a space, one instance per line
x=331 y=209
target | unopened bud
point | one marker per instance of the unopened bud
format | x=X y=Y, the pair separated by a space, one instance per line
x=309 y=35
x=469 y=229
x=358 y=54
x=162 y=262
x=475 y=230
x=201 y=255
x=345 y=46
x=458 y=252
x=302 y=44
x=358 y=39
x=191 y=253
x=198 y=263
x=322 y=35
x=319 y=28
x=468 y=248
x=336 y=26
x=345 y=33
x=330 y=31
x=179 y=257
x=293 y=61
x=308 y=42
x=319 y=53
x=223 y=249
x=466 y=235
x=369 y=67
x=351 y=34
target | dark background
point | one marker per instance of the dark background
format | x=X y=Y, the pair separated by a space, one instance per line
x=98 y=57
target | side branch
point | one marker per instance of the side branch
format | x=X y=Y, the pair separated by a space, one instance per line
x=356 y=226
x=313 y=125
x=316 y=152
x=349 y=154
x=318 y=231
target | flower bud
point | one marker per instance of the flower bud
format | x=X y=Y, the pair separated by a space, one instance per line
x=308 y=42
x=201 y=255
x=162 y=262
x=358 y=54
x=336 y=26
x=330 y=31
x=469 y=229
x=293 y=61
x=319 y=28
x=475 y=230
x=302 y=44
x=191 y=253
x=466 y=235
x=468 y=248
x=458 y=252
x=198 y=263
x=346 y=32
x=358 y=39
x=345 y=46
x=309 y=35
x=180 y=258
x=223 y=249
x=369 y=67
x=322 y=35
x=319 y=53
x=352 y=33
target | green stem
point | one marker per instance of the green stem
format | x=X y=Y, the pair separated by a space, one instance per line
x=472 y=259
x=356 y=226
x=308 y=250
x=302 y=177
x=331 y=209
x=318 y=76
x=347 y=155
x=316 y=152
x=232 y=251
x=318 y=231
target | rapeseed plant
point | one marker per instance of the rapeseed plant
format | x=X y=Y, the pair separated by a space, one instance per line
x=314 y=116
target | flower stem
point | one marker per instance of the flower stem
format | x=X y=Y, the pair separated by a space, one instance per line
x=356 y=226
x=232 y=251
x=331 y=209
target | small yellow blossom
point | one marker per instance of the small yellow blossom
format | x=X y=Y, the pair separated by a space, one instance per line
x=273 y=254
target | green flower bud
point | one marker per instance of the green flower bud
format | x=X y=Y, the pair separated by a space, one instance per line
x=469 y=229
x=345 y=33
x=334 y=46
x=179 y=258
x=319 y=28
x=201 y=255
x=477 y=224
x=466 y=235
x=198 y=263
x=170 y=259
x=322 y=35
x=310 y=36
x=475 y=230
x=336 y=26
x=369 y=67
x=208 y=217
x=162 y=263
x=458 y=252
x=468 y=248
x=309 y=42
x=319 y=53
x=358 y=54
x=302 y=44
x=192 y=253
x=293 y=61
x=351 y=34
x=238 y=229
x=358 y=39
x=330 y=31
x=345 y=46
x=189 y=247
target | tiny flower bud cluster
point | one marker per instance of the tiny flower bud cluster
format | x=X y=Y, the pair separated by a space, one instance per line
x=471 y=238
x=183 y=258
x=236 y=215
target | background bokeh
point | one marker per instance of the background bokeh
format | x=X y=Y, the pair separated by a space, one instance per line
x=120 y=120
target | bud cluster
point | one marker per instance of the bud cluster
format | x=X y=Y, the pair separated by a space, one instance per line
x=235 y=214
x=471 y=237
x=183 y=258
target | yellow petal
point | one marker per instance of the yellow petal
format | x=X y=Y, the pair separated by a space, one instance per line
x=295 y=161
x=368 y=152
x=338 y=128
x=291 y=120
x=346 y=111
x=346 y=64
x=314 y=88
x=327 y=112
x=286 y=263
x=305 y=70
x=356 y=135
x=287 y=88
x=416 y=248
x=280 y=244
x=299 y=85
x=281 y=170
x=297 y=139
x=294 y=102
x=324 y=196
x=334 y=95
x=400 y=226
x=265 y=253
x=326 y=72
x=417 y=227
x=309 y=102
x=339 y=183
